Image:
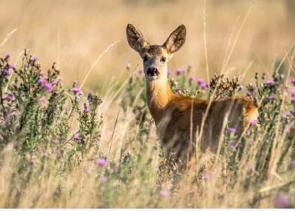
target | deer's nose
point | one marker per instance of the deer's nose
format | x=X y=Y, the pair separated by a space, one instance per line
x=153 y=71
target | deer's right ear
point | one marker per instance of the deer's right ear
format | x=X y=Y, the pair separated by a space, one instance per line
x=135 y=38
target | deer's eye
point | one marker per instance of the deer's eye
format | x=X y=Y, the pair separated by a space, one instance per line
x=163 y=59
x=145 y=58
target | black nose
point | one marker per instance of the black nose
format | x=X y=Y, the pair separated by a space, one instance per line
x=152 y=71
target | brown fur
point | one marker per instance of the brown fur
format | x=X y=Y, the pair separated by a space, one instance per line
x=180 y=119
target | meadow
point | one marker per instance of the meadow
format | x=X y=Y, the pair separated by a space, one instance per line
x=75 y=130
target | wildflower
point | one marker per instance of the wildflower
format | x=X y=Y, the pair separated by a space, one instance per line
x=48 y=86
x=232 y=130
x=9 y=98
x=233 y=146
x=34 y=58
x=269 y=83
x=41 y=80
x=7 y=57
x=202 y=84
x=179 y=71
x=164 y=193
x=77 y=138
x=76 y=90
x=241 y=88
x=281 y=201
x=8 y=70
x=42 y=102
x=249 y=94
x=293 y=81
x=252 y=123
x=86 y=109
x=293 y=93
x=101 y=162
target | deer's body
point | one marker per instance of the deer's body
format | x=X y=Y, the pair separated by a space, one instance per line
x=179 y=119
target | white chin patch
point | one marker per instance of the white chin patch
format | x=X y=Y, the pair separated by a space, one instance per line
x=152 y=77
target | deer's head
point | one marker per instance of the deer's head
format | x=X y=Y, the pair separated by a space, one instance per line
x=155 y=57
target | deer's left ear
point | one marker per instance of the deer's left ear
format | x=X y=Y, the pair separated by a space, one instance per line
x=176 y=39
x=135 y=38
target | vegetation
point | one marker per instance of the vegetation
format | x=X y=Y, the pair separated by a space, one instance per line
x=60 y=148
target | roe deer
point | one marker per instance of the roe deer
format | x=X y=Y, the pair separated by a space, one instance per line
x=179 y=118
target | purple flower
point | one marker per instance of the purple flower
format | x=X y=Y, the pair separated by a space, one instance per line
x=269 y=83
x=233 y=146
x=8 y=70
x=252 y=123
x=101 y=162
x=76 y=90
x=164 y=193
x=77 y=138
x=232 y=130
x=48 y=87
x=34 y=58
x=7 y=56
x=41 y=80
x=293 y=81
x=202 y=84
x=9 y=97
x=86 y=109
x=249 y=94
x=281 y=201
x=241 y=88
x=179 y=71
x=293 y=93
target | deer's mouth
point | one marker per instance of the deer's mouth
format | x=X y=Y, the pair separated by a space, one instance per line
x=152 y=74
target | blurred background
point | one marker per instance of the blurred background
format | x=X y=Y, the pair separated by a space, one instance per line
x=240 y=35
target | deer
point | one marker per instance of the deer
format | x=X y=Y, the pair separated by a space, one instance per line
x=180 y=119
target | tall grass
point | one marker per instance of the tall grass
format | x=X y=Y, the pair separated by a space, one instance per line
x=61 y=147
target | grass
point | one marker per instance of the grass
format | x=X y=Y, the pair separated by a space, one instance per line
x=92 y=142
x=60 y=148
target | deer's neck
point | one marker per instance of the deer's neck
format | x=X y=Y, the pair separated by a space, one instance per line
x=159 y=96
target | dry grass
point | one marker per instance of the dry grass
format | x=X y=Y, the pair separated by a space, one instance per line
x=240 y=38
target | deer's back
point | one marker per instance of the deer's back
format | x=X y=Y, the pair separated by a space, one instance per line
x=183 y=121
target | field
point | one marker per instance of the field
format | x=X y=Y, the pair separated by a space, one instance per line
x=75 y=130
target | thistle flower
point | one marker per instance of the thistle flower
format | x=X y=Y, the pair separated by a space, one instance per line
x=7 y=57
x=76 y=90
x=202 y=84
x=179 y=71
x=86 y=109
x=8 y=70
x=48 y=87
x=77 y=138
x=269 y=83
x=252 y=123
x=281 y=201
x=34 y=58
x=232 y=130
x=101 y=162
